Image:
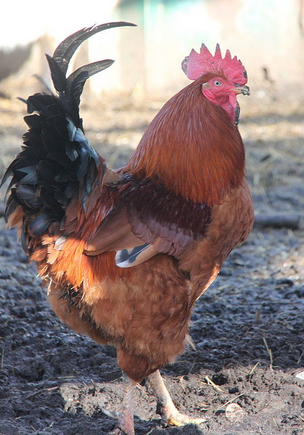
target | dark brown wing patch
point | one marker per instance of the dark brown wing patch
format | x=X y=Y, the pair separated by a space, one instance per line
x=167 y=221
x=148 y=213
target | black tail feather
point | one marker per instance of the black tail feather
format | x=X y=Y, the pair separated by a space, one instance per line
x=70 y=88
x=58 y=76
x=56 y=158
x=77 y=79
x=65 y=50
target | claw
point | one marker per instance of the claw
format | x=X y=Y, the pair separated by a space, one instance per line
x=118 y=431
x=111 y=414
x=170 y=416
x=180 y=419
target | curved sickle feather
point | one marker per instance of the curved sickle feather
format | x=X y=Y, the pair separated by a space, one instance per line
x=65 y=50
x=76 y=81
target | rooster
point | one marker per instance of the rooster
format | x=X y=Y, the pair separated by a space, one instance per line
x=125 y=254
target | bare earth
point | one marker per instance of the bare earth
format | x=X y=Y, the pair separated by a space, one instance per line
x=244 y=376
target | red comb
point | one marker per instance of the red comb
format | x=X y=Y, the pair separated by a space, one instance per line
x=197 y=64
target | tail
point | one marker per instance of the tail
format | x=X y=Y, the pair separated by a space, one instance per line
x=56 y=157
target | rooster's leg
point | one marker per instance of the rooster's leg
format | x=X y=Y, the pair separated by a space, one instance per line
x=170 y=415
x=125 y=415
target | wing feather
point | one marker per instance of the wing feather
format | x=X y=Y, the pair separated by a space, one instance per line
x=149 y=220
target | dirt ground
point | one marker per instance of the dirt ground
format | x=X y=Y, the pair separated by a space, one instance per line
x=246 y=375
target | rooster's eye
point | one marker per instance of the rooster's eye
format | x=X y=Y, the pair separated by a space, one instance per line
x=217 y=83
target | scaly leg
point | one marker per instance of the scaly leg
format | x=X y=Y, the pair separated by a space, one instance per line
x=125 y=415
x=170 y=415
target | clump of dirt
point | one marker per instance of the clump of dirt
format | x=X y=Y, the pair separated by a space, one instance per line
x=248 y=328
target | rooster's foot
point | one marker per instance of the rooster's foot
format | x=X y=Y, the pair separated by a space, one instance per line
x=170 y=416
x=125 y=414
x=178 y=419
x=119 y=431
x=124 y=425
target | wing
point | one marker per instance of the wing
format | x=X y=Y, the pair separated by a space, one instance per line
x=149 y=219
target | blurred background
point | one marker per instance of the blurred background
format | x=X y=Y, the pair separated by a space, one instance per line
x=119 y=103
x=266 y=36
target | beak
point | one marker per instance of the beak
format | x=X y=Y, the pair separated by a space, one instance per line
x=242 y=90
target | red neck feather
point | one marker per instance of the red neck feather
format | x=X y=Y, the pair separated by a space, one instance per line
x=192 y=147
